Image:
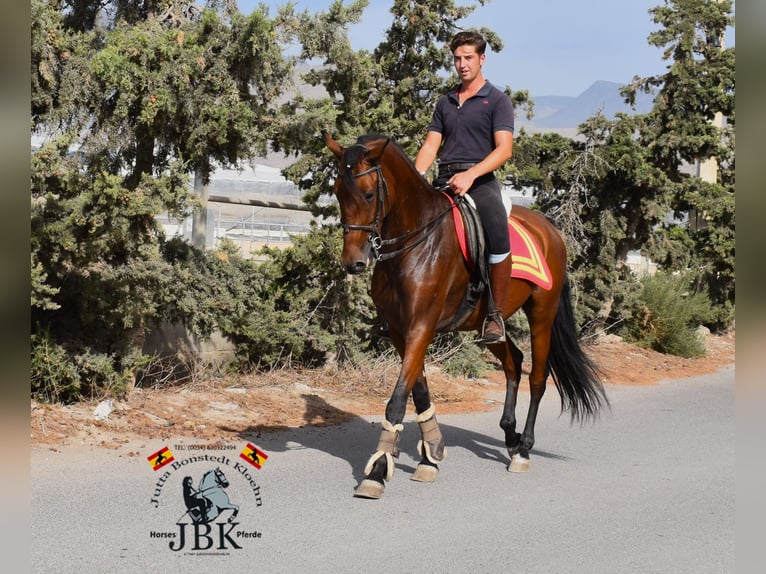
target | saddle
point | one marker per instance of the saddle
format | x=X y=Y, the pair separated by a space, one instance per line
x=470 y=235
x=528 y=260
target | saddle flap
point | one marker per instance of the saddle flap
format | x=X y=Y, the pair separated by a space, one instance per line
x=528 y=260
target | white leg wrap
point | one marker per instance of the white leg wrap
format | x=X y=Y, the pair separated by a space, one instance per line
x=387 y=446
x=426 y=414
x=432 y=444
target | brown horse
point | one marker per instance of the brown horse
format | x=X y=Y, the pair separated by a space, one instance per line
x=389 y=212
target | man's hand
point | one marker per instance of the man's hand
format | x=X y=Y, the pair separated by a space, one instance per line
x=461 y=182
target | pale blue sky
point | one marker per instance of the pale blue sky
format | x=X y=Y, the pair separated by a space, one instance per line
x=552 y=47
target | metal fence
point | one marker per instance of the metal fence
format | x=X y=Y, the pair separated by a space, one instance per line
x=258 y=228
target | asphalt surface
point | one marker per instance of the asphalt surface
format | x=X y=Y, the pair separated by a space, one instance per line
x=648 y=488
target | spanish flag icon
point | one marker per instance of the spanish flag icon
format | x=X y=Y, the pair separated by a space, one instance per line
x=253 y=455
x=160 y=458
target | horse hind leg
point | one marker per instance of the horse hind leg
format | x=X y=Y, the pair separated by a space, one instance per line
x=519 y=452
x=511 y=358
x=541 y=344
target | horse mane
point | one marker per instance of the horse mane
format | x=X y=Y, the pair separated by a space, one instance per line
x=364 y=139
x=353 y=154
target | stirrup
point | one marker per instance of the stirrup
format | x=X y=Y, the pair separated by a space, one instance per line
x=488 y=338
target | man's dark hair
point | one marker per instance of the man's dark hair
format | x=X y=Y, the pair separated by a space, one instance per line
x=470 y=38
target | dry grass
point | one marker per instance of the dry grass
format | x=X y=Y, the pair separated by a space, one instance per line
x=222 y=408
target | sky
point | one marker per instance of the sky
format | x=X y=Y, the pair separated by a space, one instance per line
x=552 y=47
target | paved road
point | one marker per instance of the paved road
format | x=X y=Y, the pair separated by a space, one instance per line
x=649 y=488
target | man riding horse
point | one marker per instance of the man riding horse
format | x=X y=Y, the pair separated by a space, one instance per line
x=471 y=130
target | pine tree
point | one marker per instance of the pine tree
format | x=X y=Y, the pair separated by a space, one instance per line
x=692 y=124
x=131 y=98
x=625 y=185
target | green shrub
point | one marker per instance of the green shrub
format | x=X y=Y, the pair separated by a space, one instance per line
x=320 y=310
x=295 y=308
x=457 y=355
x=667 y=315
x=60 y=375
x=54 y=376
x=517 y=327
x=103 y=375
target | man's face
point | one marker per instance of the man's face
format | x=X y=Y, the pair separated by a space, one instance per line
x=467 y=62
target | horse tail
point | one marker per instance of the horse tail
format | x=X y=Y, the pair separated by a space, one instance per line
x=577 y=378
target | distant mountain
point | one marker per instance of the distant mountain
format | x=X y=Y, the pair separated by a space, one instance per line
x=565 y=113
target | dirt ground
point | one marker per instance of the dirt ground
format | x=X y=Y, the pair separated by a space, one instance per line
x=228 y=409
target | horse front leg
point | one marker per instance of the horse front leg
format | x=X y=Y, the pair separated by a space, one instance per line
x=431 y=445
x=380 y=467
x=233 y=514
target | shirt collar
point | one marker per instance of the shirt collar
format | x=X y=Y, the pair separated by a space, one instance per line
x=483 y=91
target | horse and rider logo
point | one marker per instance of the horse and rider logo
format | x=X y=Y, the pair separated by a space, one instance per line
x=200 y=479
x=209 y=500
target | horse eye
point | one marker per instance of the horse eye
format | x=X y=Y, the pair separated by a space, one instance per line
x=369 y=196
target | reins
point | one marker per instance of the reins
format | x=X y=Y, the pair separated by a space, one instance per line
x=377 y=242
x=427 y=228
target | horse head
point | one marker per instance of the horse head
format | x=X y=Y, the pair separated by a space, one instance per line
x=363 y=196
x=212 y=479
x=220 y=478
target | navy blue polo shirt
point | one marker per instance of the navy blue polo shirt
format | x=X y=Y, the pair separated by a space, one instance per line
x=468 y=130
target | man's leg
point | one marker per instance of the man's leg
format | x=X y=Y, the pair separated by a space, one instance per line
x=489 y=204
x=500 y=286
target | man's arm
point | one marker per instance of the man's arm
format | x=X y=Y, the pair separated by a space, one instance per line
x=462 y=182
x=502 y=153
x=428 y=151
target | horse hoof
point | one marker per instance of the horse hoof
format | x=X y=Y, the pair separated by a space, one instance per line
x=425 y=473
x=518 y=464
x=369 y=489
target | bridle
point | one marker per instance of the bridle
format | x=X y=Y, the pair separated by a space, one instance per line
x=376 y=240
x=382 y=195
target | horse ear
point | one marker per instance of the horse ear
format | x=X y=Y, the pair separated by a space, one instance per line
x=332 y=145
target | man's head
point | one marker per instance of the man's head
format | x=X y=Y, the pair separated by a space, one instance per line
x=468 y=56
x=469 y=38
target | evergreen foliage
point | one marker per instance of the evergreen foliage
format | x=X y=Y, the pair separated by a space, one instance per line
x=668 y=314
x=458 y=355
x=625 y=184
x=291 y=310
x=693 y=120
x=133 y=98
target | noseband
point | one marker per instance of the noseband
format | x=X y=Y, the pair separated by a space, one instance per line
x=376 y=240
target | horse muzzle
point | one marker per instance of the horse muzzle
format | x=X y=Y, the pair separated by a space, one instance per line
x=355 y=267
x=355 y=257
